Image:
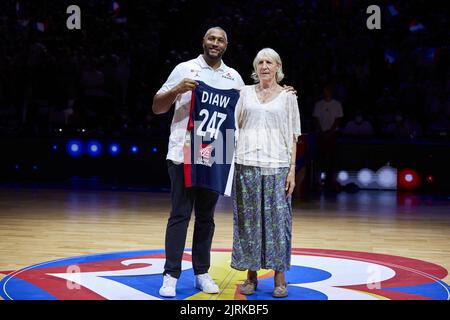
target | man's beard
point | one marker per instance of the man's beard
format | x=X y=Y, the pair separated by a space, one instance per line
x=217 y=56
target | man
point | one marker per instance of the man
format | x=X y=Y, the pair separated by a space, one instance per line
x=358 y=127
x=209 y=68
x=328 y=113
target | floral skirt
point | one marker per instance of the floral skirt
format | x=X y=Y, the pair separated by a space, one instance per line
x=262 y=219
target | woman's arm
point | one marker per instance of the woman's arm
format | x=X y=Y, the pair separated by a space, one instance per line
x=290 y=179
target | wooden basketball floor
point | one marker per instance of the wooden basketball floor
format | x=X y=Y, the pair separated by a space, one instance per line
x=38 y=224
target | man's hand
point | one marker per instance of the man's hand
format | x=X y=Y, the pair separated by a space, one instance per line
x=185 y=85
x=163 y=101
x=289 y=89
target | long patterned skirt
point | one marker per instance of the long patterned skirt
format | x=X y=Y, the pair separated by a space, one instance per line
x=262 y=219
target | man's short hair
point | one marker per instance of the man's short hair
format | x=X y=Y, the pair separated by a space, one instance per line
x=216 y=28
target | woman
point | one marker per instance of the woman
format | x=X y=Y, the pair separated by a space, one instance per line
x=268 y=125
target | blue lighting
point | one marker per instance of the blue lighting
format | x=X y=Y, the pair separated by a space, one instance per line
x=55 y=147
x=114 y=149
x=155 y=150
x=134 y=149
x=94 y=148
x=74 y=148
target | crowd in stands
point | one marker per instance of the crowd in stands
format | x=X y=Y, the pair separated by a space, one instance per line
x=391 y=83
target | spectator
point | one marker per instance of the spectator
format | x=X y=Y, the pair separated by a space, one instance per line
x=328 y=113
x=358 y=127
x=440 y=126
x=398 y=128
x=332 y=46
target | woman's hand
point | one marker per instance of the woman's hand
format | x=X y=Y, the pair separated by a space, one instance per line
x=290 y=182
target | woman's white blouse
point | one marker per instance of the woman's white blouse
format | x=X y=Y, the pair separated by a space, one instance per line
x=266 y=131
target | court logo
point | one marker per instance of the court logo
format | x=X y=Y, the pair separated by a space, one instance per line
x=314 y=275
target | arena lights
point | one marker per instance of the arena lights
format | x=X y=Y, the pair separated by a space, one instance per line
x=94 y=148
x=74 y=148
x=342 y=177
x=134 y=149
x=383 y=178
x=365 y=177
x=387 y=177
x=114 y=149
x=408 y=179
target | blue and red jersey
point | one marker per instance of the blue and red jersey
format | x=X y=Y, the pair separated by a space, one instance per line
x=209 y=147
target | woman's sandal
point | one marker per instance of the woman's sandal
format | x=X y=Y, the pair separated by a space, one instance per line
x=280 y=291
x=248 y=287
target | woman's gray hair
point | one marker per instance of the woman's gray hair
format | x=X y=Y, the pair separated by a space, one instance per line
x=272 y=55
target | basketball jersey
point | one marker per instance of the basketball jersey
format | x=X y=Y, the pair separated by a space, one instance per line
x=210 y=141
